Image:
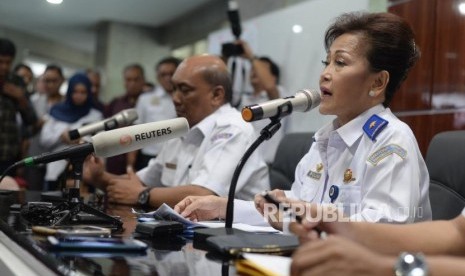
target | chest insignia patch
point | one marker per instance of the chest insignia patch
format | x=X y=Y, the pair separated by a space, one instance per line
x=348 y=176
x=221 y=136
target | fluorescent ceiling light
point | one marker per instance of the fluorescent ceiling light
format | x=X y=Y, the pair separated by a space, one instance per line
x=56 y=2
x=297 y=28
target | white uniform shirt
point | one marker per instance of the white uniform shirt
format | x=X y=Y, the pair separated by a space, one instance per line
x=268 y=148
x=50 y=139
x=388 y=180
x=208 y=155
x=382 y=185
x=154 y=106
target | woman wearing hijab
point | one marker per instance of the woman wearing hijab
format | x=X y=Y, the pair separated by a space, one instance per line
x=76 y=111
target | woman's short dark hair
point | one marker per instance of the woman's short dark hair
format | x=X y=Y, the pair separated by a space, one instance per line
x=390 y=41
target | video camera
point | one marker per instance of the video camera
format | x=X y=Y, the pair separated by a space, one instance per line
x=230 y=48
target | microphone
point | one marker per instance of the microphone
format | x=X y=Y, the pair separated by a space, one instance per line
x=234 y=20
x=117 y=141
x=303 y=101
x=120 y=119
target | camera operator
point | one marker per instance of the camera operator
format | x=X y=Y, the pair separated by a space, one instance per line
x=264 y=75
x=13 y=100
x=264 y=80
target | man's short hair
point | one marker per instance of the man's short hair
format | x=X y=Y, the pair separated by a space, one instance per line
x=169 y=60
x=54 y=67
x=7 y=48
x=274 y=69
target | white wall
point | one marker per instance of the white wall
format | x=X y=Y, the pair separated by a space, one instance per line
x=298 y=55
x=127 y=44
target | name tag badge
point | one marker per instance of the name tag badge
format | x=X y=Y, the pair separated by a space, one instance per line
x=317 y=173
x=155 y=101
x=171 y=166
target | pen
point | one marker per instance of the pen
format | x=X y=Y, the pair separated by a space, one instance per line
x=269 y=198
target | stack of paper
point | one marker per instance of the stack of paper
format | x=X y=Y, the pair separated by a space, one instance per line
x=261 y=265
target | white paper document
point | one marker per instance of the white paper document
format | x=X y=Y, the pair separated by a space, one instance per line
x=165 y=212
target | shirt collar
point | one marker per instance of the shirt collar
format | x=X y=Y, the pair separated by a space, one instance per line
x=205 y=127
x=351 y=131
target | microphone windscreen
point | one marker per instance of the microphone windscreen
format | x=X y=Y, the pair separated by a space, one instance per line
x=127 y=139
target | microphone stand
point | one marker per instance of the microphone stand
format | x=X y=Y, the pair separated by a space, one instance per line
x=67 y=211
x=200 y=235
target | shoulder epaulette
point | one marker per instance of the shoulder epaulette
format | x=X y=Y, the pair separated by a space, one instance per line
x=374 y=125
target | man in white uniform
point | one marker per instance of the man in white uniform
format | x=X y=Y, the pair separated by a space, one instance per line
x=202 y=162
x=156 y=105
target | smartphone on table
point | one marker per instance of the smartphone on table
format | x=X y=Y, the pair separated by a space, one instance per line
x=96 y=244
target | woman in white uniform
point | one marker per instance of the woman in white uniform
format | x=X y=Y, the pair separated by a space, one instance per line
x=76 y=111
x=366 y=162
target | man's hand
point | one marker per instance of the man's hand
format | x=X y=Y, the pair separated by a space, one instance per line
x=93 y=171
x=125 y=190
x=197 y=208
x=14 y=91
x=339 y=256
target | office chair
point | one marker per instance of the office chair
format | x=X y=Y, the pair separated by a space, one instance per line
x=291 y=149
x=445 y=160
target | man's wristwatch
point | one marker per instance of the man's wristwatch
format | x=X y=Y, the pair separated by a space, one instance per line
x=409 y=264
x=144 y=197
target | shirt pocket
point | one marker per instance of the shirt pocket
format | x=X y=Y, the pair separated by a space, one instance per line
x=350 y=197
x=168 y=174
x=309 y=191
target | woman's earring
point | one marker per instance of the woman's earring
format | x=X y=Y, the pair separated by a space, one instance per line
x=372 y=93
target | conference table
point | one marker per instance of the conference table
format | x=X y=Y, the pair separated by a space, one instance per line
x=167 y=255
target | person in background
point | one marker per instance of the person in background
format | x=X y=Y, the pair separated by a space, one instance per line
x=52 y=79
x=26 y=73
x=366 y=162
x=149 y=86
x=74 y=112
x=13 y=100
x=264 y=78
x=96 y=80
x=134 y=80
x=200 y=163
x=156 y=105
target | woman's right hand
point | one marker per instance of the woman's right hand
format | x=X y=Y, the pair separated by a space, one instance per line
x=197 y=208
x=260 y=201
